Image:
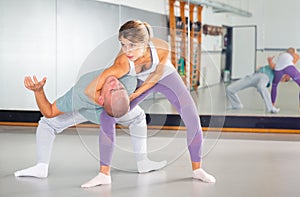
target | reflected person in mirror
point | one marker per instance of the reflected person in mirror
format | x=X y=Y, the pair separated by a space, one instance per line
x=261 y=80
x=283 y=65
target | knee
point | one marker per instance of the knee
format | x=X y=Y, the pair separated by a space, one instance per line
x=42 y=120
x=275 y=82
x=274 y=86
x=46 y=125
x=229 y=90
x=141 y=116
x=105 y=118
x=140 y=119
x=297 y=80
x=46 y=122
x=261 y=86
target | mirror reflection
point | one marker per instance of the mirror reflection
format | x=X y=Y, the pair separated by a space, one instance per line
x=236 y=72
x=212 y=49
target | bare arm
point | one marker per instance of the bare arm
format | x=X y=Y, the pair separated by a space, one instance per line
x=296 y=57
x=47 y=109
x=163 y=54
x=271 y=63
x=118 y=69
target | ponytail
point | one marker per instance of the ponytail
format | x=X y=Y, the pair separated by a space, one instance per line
x=149 y=29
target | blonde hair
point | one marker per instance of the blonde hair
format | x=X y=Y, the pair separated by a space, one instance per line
x=291 y=50
x=136 y=31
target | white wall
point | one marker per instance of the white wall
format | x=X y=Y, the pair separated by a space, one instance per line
x=56 y=39
x=28 y=40
x=157 y=6
x=80 y=29
x=277 y=23
x=277 y=27
x=27 y=47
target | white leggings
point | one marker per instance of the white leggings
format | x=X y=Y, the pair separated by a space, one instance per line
x=49 y=127
x=256 y=80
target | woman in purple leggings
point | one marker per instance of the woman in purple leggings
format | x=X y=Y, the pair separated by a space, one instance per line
x=148 y=59
x=285 y=65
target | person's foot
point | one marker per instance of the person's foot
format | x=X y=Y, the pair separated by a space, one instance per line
x=201 y=175
x=148 y=165
x=241 y=106
x=274 y=110
x=100 y=179
x=40 y=170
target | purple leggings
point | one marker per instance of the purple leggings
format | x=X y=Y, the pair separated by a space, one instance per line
x=291 y=71
x=176 y=92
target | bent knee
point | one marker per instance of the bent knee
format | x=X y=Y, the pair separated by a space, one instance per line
x=229 y=90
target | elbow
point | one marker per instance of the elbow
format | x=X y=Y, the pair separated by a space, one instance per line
x=48 y=115
x=51 y=112
x=86 y=91
x=272 y=65
x=88 y=94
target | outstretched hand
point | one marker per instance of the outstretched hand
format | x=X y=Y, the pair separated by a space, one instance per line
x=34 y=84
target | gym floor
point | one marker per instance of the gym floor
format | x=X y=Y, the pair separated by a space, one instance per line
x=244 y=164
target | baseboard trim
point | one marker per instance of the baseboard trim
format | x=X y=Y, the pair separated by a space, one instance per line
x=168 y=121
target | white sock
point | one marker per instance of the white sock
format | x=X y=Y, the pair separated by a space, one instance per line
x=274 y=110
x=40 y=170
x=241 y=106
x=147 y=165
x=100 y=179
x=203 y=176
